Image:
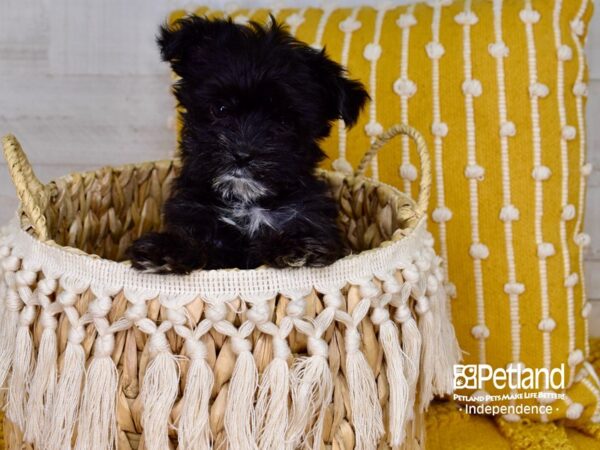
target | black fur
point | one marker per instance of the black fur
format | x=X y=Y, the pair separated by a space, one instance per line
x=255 y=103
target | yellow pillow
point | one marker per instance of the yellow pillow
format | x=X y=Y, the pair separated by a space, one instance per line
x=498 y=89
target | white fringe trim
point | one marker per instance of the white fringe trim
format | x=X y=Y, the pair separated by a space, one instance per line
x=97 y=426
x=65 y=403
x=194 y=421
x=159 y=389
x=285 y=408
x=42 y=387
x=272 y=399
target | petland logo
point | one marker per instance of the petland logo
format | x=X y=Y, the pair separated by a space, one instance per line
x=474 y=376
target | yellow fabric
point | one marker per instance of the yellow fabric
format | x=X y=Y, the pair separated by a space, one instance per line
x=450 y=429
x=499 y=114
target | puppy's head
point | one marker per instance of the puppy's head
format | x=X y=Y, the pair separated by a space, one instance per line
x=256 y=101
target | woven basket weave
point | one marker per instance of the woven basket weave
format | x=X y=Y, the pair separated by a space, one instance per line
x=96 y=355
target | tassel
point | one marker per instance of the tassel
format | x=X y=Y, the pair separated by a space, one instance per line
x=194 y=421
x=4 y=253
x=364 y=402
x=65 y=403
x=3 y=292
x=411 y=346
x=429 y=351
x=272 y=401
x=160 y=386
x=312 y=391
x=399 y=391
x=43 y=382
x=239 y=413
x=97 y=426
x=448 y=350
x=23 y=355
x=21 y=369
x=13 y=304
x=446 y=347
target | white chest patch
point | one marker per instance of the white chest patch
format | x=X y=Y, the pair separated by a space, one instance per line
x=247 y=218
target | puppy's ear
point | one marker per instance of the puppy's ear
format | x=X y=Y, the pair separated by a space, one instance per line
x=352 y=98
x=178 y=41
x=347 y=96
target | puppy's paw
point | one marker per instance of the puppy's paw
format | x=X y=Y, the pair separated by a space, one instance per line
x=305 y=252
x=165 y=253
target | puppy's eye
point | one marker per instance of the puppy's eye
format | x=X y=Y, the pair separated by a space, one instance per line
x=219 y=111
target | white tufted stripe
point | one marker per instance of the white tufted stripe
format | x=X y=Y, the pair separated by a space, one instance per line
x=545 y=250
x=514 y=288
x=498 y=50
x=529 y=16
x=406 y=20
x=547 y=324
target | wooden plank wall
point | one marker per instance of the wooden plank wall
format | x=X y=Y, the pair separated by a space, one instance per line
x=81 y=84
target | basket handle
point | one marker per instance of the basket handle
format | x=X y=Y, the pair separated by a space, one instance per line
x=32 y=193
x=425 y=183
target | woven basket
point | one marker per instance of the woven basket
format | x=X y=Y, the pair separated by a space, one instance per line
x=96 y=355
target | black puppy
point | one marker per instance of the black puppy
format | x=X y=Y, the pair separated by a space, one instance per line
x=255 y=104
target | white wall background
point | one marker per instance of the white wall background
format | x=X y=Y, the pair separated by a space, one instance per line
x=82 y=85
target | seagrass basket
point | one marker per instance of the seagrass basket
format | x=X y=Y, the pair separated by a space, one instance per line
x=95 y=355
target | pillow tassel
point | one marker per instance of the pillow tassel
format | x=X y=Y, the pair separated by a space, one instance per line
x=194 y=424
x=97 y=426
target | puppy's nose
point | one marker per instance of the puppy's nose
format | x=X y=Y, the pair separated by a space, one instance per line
x=242 y=154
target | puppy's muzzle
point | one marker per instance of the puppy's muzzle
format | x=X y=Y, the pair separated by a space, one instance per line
x=242 y=154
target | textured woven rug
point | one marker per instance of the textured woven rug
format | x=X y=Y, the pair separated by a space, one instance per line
x=450 y=429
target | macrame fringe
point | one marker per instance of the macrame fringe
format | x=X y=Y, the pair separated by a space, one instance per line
x=312 y=391
x=367 y=417
x=8 y=333
x=448 y=349
x=240 y=417
x=420 y=430
x=22 y=368
x=415 y=433
x=411 y=346
x=10 y=322
x=194 y=421
x=63 y=413
x=3 y=290
x=159 y=392
x=42 y=387
x=272 y=405
x=97 y=426
x=399 y=390
x=429 y=356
